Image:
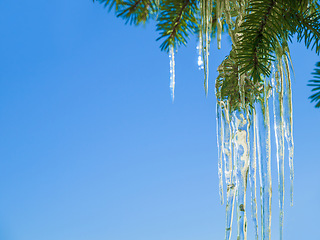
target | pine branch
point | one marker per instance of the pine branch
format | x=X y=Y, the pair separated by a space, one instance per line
x=315 y=83
x=227 y=84
x=110 y=3
x=260 y=33
x=176 y=21
x=308 y=28
x=136 y=11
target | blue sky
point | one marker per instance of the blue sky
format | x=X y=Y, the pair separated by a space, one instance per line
x=91 y=146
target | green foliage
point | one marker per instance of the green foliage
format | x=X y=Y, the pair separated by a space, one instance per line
x=259 y=30
x=315 y=83
x=227 y=84
x=110 y=3
x=308 y=28
x=132 y=11
x=176 y=21
x=260 y=35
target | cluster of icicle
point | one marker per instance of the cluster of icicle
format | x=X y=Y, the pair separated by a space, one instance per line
x=244 y=135
x=205 y=31
x=244 y=146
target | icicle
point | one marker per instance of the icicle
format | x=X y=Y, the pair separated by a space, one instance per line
x=228 y=169
x=199 y=48
x=172 y=71
x=288 y=122
x=253 y=169
x=219 y=9
x=230 y=23
x=241 y=159
x=241 y=81
x=246 y=137
x=206 y=28
x=264 y=151
x=220 y=140
x=277 y=85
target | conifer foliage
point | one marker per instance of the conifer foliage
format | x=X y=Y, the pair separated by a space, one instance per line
x=257 y=69
x=257 y=29
x=315 y=83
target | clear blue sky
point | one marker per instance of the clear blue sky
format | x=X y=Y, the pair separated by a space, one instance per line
x=91 y=146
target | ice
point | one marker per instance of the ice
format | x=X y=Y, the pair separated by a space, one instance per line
x=172 y=71
x=219 y=21
x=253 y=169
x=220 y=140
x=277 y=85
x=289 y=120
x=241 y=155
x=264 y=155
x=199 y=48
x=206 y=29
x=228 y=168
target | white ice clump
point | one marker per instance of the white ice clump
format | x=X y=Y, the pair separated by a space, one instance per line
x=199 y=48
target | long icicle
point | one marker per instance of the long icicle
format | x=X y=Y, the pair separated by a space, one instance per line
x=265 y=164
x=228 y=169
x=206 y=17
x=220 y=140
x=289 y=121
x=172 y=72
x=277 y=86
x=253 y=170
x=219 y=10
x=241 y=159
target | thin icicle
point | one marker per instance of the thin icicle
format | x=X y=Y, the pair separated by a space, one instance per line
x=172 y=72
x=219 y=9
x=241 y=159
x=230 y=23
x=228 y=169
x=289 y=122
x=265 y=164
x=277 y=85
x=253 y=169
x=220 y=141
x=199 y=48
x=206 y=28
x=241 y=82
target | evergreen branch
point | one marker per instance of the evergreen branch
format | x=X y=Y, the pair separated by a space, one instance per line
x=110 y=3
x=227 y=84
x=136 y=11
x=176 y=21
x=260 y=34
x=308 y=28
x=315 y=83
